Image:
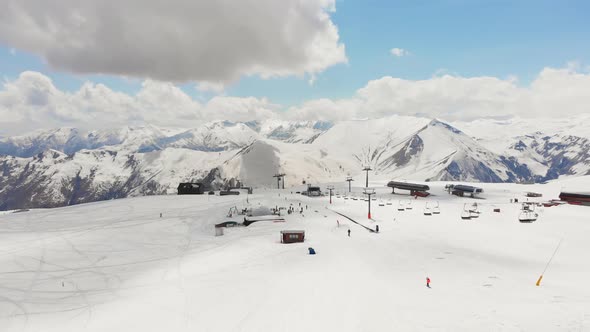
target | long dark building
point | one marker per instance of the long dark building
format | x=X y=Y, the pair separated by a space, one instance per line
x=462 y=190
x=577 y=198
x=412 y=187
x=189 y=188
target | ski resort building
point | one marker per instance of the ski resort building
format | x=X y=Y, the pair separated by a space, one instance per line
x=412 y=187
x=189 y=188
x=228 y=192
x=312 y=191
x=463 y=190
x=292 y=236
x=577 y=198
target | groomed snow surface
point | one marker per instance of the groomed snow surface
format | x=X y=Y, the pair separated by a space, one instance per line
x=119 y=266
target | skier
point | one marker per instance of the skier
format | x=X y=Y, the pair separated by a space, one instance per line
x=377 y=228
x=349 y=232
x=427 y=282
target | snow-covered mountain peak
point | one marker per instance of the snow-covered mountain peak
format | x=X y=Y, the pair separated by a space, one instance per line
x=68 y=166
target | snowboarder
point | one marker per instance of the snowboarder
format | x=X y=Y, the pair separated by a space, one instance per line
x=377 y=228
x=427 y=282
x=311 y=251
x=349 y=232
x=160 y=214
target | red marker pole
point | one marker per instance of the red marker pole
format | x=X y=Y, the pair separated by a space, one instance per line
x=369 y=206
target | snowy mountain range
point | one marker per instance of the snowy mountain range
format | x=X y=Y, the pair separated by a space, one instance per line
x=68 y=166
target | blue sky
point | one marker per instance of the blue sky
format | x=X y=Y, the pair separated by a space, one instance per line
x=466 y=38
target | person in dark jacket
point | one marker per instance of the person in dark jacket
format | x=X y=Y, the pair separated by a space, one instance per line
x=377 y=228
x=349 y=232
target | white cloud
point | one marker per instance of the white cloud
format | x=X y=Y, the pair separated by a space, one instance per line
x=554 y=92
x=240 y=109
x=212 y=87
x=177 y=40
x=399 y=52
x=32 y=101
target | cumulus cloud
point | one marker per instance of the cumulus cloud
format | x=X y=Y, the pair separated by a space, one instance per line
x=177 y=40
x=399 y=52
x=32 y=101
x=211 y=87
x=552 y=92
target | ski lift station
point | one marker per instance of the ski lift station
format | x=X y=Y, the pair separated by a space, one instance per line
x=292 y=236
x=412 y=187
x=463 y=190
x=312 y=191
x=190 y=188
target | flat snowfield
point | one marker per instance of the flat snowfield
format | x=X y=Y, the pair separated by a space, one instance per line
x=119 y=266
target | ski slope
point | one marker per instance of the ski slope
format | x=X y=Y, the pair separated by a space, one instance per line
x=118 y=266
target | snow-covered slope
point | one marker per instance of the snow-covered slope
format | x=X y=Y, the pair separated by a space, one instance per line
x=153 y=264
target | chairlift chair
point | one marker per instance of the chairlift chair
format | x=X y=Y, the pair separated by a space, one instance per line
x=474 y=211
x=400 y=207
x=466 y=214
x=427 y=211
x=436 y=209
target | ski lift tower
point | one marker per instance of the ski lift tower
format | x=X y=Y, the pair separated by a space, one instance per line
x=349 y=179
x=369 y=192
x=330 y=188
x=367 y=169
x=280 y=176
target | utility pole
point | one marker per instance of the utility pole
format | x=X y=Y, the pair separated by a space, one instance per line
x=369 y=192
x=279 y=177
x=367 y=169
x=330 y=188
x=349 y=179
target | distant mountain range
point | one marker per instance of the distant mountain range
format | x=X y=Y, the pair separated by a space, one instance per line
x=68 y=166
